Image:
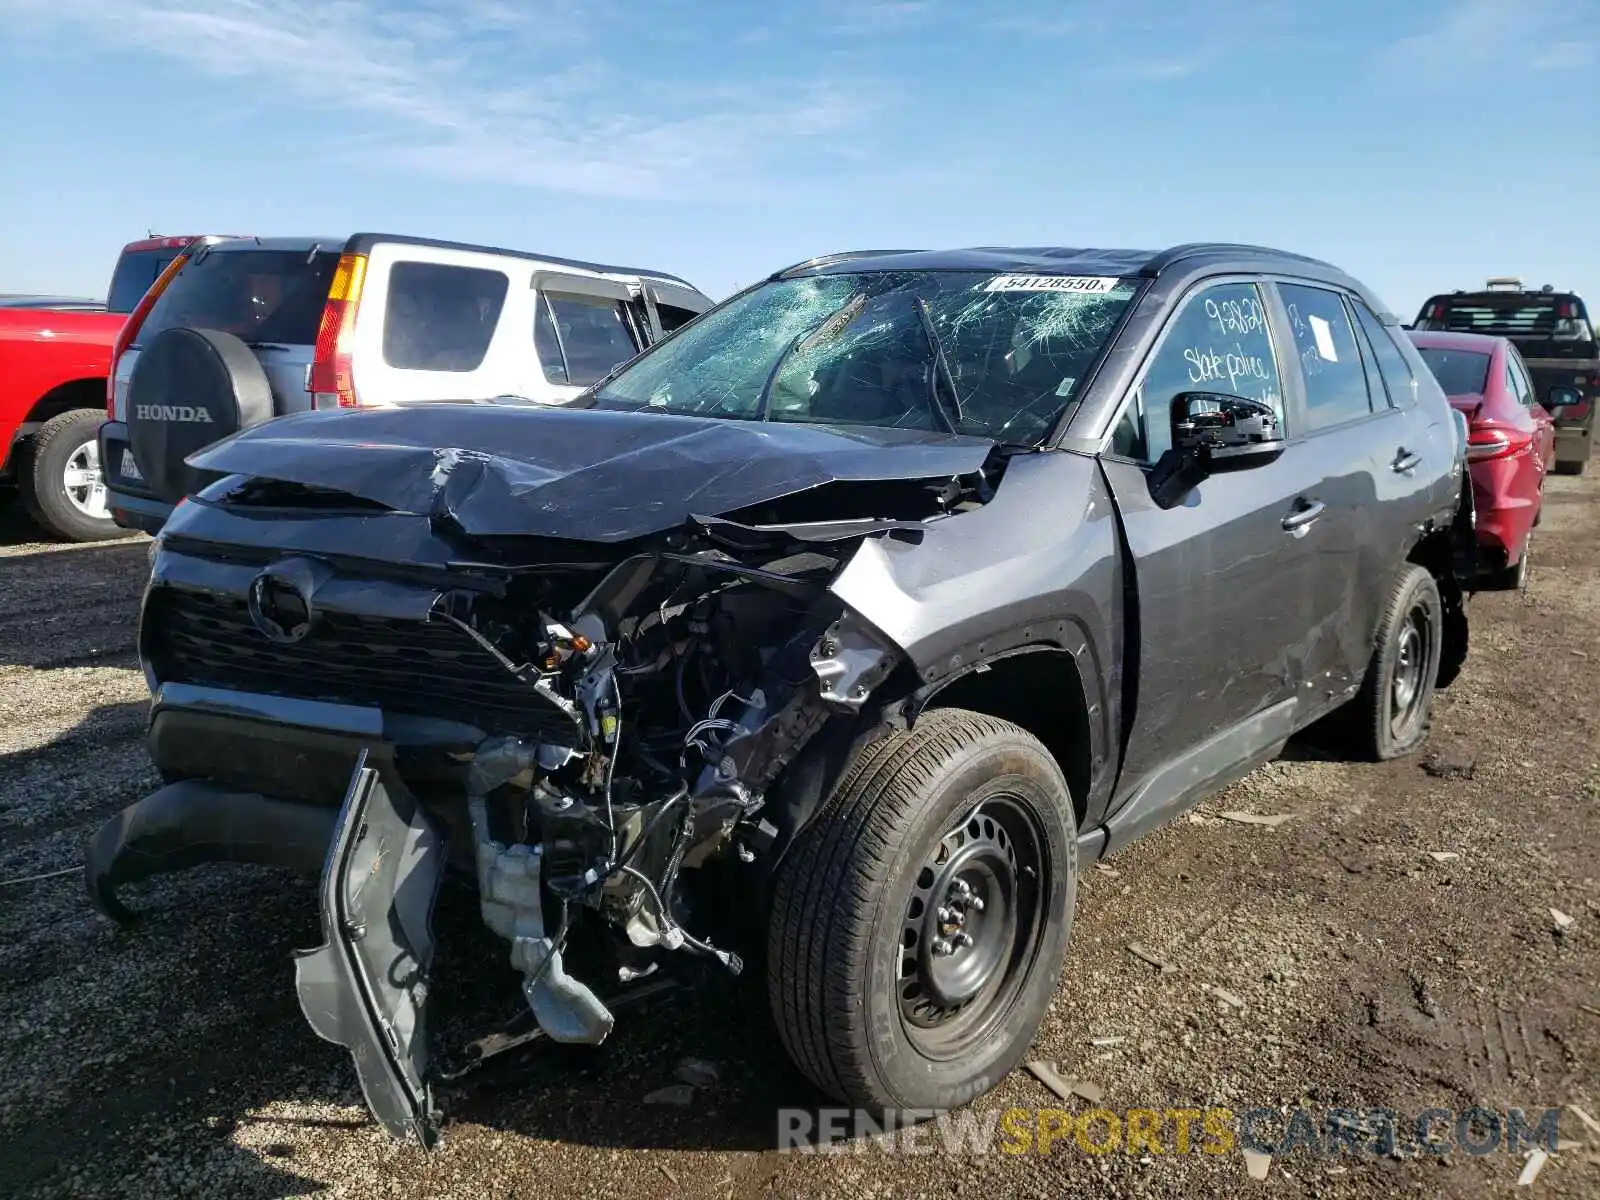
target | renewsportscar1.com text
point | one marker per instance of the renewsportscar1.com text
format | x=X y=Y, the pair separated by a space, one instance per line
x=1328 y=1132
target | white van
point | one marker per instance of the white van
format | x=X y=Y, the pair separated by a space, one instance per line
x=242 y=330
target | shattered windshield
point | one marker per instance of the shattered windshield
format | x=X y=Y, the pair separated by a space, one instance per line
x=968 y=352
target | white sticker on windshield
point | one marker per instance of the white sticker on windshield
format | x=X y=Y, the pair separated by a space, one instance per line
x=1086 y=284
x=1323 y=333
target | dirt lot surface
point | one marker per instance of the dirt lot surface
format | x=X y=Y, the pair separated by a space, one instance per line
x=1392 y=945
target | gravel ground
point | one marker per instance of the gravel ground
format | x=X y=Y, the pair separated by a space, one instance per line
x=1392 y=945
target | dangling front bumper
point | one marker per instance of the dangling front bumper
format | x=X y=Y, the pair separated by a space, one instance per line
x=366 y=988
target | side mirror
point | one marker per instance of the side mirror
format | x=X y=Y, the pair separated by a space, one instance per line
x=1225 y=433
x=1562 y=397
x=1213 y=432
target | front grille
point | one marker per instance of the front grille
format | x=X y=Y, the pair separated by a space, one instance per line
x=424 y=668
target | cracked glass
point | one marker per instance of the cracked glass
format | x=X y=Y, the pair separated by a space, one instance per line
x=967 y=352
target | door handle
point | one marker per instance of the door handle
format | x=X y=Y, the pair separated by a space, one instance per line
x=1406 y=460
x=1300 y=518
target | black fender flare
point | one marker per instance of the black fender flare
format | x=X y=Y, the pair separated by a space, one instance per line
x=1097 y=692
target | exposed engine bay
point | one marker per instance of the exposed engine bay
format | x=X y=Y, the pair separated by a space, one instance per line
x=687 y=681
x=679 y=689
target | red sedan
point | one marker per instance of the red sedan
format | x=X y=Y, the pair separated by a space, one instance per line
x=1510 y=442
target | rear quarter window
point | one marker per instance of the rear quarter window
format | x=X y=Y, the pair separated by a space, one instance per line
x=579 y=339
x=1397 y=378
x=136 y=270
x=673 y=317
x=441 y=317
x=260 y=296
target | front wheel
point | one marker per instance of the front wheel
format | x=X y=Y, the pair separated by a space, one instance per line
x=1389 y=715
x=920 y=921
x=62 y=483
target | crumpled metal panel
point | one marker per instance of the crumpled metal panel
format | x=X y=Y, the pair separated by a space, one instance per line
x=367 y=988
x=581 y=474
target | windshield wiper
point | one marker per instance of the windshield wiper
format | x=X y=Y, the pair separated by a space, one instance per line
x=772 y=378
x=835 y=324
x=941 y=370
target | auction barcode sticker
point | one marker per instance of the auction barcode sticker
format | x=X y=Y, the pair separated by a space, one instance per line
x=1087 y=284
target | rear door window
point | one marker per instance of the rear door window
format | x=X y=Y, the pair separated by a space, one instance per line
x=579 y=339
x=261 y=296
x=441 y=317
x=1330 y=361
x=1521 y=387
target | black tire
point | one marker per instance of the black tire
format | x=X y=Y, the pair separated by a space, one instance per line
x=68 y=442
x=1571 y=466
x=189 y=389
x=1387 y=720
x=952 y=800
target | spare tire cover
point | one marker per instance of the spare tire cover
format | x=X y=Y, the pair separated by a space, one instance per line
x=189 y=388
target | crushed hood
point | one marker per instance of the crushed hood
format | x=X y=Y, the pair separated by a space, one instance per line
x=587 y=474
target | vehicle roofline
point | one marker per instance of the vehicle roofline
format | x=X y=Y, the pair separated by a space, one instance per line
x=1231 y=251
x=838 y=256
x=1210 y=257
x=361 y=243
x=1180 y=272
x=26 y=299
x=1492 y=341
x=231 y=244
x=169 y=241
x=1480 y=293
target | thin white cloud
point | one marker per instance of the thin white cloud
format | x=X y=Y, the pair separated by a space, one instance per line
x=1466 y=37
x=883 y=16
x=1147 y=40
x=480 y=89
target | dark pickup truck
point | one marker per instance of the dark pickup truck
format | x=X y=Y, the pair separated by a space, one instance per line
x=1554 y=334
x=887 y=593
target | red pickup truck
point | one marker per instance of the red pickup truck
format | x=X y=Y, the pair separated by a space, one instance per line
x=55 y=355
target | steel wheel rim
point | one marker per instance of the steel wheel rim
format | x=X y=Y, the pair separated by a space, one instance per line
x=84 y=483
x=971 y=927
x=1413 y=653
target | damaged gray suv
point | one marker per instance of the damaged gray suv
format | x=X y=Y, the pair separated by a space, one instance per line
x=894 y=588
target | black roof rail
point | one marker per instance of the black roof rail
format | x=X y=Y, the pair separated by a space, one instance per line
x=1174 y=254
x=839 y=256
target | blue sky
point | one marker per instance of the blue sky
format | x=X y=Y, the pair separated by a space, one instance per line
x=1421 y=144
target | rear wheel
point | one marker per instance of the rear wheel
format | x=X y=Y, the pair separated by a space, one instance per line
x=62 y=484
x=1571 y=466
x=920 y=921
x=1389 y=715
